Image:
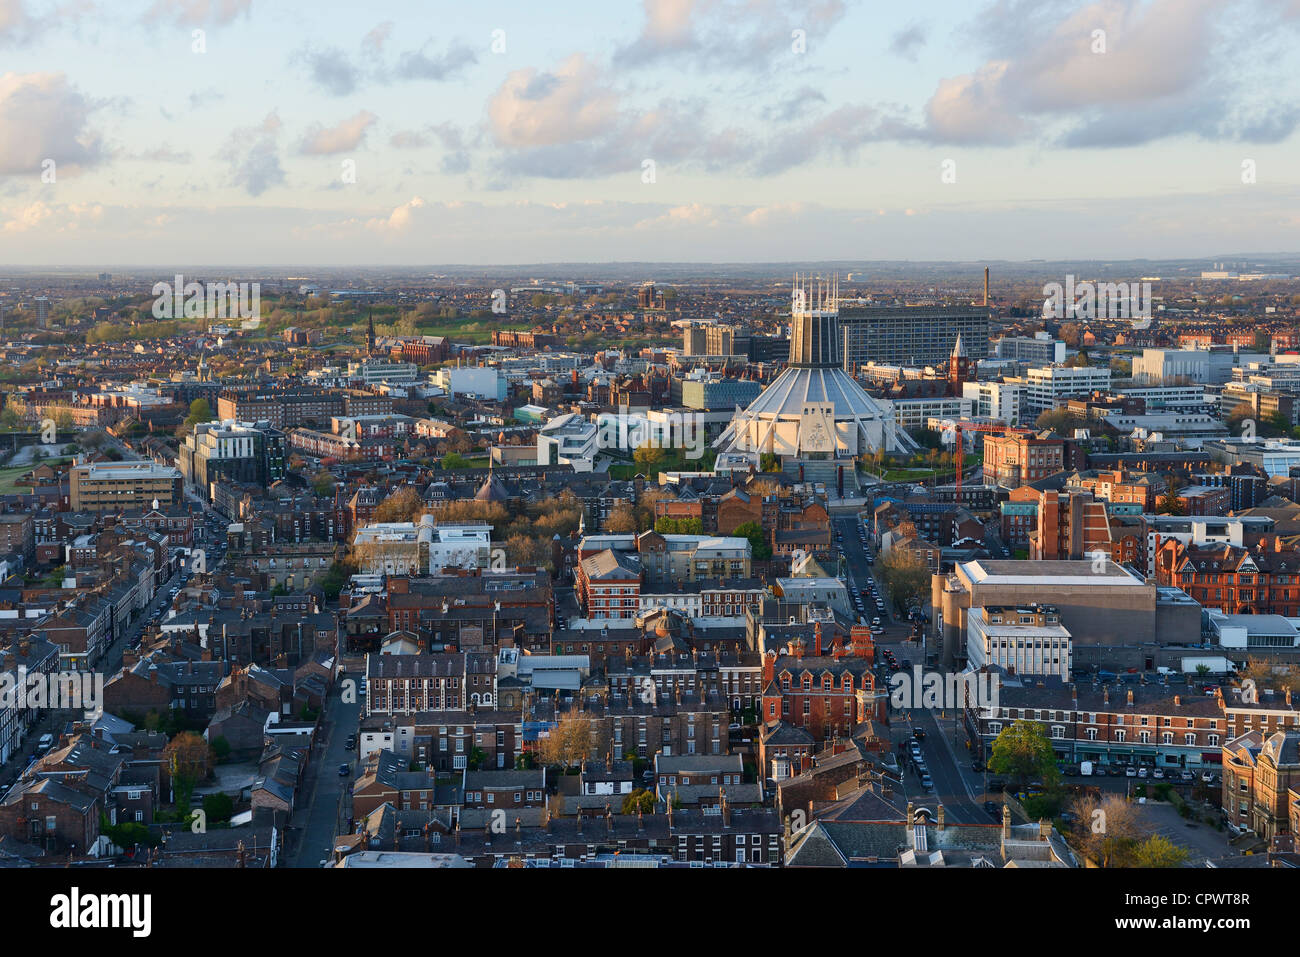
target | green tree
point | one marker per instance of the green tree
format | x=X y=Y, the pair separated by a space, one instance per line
x=1159 y=851
x=322 y=483
x=200 y=411
x=1023 y=753
x=639 y=800
x=760 y=549
x=454 y=460
x=218 y=807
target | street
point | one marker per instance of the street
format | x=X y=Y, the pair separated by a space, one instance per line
x=313 y=824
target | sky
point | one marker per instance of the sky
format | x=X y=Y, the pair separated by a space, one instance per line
x=276 y=132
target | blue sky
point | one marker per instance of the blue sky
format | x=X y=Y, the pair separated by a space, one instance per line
x=402 y=132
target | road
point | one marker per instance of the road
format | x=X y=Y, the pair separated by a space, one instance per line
x=315 y=821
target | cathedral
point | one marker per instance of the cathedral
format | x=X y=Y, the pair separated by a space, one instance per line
x=815 y=417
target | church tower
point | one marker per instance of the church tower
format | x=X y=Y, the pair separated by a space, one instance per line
x=960 y=368
x=370 y=334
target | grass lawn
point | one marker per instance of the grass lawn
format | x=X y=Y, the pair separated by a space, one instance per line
x=10 y=475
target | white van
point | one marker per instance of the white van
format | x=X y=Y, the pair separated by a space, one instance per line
x=45 y=743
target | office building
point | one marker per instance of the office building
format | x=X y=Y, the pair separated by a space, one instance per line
x=123 y=486
x=910 y=335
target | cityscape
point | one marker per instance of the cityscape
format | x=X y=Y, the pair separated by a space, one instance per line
x=581 y=440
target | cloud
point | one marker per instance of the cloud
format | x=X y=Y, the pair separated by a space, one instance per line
x=534 y=109
x=43 y=117
x=419 y=65
x=400 y=219
x=60 y=218
x=908 y=41
x=735 y=34
x=332 y=71
x=254 y=156
x=1109 y=73
x=347 y=135
x=197 y=13
x=17 y=25
x=374 y=40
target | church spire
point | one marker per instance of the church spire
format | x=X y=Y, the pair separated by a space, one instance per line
x=370 y=334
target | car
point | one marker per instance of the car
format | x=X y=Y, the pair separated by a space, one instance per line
x=350 y=743
x=1144 y=771
x=927 y=782
x=917 y=733
x=1130 y=772
x=1158 y=773
x=345 y=770
x=977 y=766
x=1207 y=776
x=1187 y=777
x=993 y=811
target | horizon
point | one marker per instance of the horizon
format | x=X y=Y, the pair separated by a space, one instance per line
x=724 y=131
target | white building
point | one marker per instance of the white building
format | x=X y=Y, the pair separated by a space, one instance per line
x=568 y=440
x=476 y=382
x=408 y=548
x=1046 y=387
x=995 y=400
x=1024 y=640
x=912 y=414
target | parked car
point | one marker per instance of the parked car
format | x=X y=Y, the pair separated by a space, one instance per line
x=350 y=743
x=993 y=810
x=1187 y=777
x=1130 y=772
x=1158 y=773
x=927 y=782
x=1144 y=771
x=344 y=770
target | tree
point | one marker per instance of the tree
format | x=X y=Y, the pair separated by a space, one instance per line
x=1069 y=333
x=1058 y=420
x=454 y=460
x=907 y=577
x=218 y=807
x=574 y=739
x=403 y=505
x=1106 y=830
x=1023 y=753
x=648 y=457
x=188 y=759
x=1170 y=503
x=1159 y=851
x=322 y=483
x=639 y=800
x=200 y=411
x=760 y=550
x=622 y=520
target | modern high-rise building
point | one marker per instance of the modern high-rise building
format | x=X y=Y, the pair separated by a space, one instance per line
x=233 y=451
x=910 y=335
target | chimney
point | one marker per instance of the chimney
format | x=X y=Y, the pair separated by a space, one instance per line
x=1105 y=695
x=726 y=809
x=1006 y=822
x=941 y=819
x=986 y=286
x=1130 y=697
